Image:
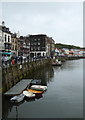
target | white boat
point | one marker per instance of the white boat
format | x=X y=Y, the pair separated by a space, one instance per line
x=56 y=62
x=39 y=87
x=18 y=98
x=28 y=94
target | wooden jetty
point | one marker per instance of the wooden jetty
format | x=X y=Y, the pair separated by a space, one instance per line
x=18 y=88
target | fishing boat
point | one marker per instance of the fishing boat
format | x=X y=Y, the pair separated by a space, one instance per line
x=35 y=91
x=39 y=87
x=17 y=98
x=29 y=94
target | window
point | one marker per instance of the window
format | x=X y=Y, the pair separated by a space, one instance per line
x=5 y=38
x=8 y=38
x=13 y=40
x=38 y=43
x=34 y=43
x=38 y=48
x=31 y=48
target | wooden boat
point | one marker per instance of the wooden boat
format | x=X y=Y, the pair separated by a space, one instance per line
x=35 y=82
x=35 y=91
x=39 y=87
x=29 y=94
x=17 y=98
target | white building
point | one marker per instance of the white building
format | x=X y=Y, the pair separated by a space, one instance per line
x=5 y=38
x=1 y=41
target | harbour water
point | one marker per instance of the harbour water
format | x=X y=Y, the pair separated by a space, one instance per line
x=63 y=98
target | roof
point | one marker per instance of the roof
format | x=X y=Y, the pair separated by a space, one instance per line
x=71 y=52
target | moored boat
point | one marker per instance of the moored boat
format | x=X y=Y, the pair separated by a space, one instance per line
x=35 y=82
x=35 y=91
x=29 y=94
x=39 y=87
x=17 y=98
x=56 y=62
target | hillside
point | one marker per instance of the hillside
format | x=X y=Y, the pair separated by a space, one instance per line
x=59 y=45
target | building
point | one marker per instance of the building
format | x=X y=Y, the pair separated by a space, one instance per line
x=40 y=45
x=5 y=38
x=23 y=46
x=14 y=43
x=51 y=47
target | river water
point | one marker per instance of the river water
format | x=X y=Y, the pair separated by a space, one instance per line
x=63 y=98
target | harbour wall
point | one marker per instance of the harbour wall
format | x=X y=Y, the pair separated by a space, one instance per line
x=14 y=73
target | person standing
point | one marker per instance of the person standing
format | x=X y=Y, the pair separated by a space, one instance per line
x=21 y=59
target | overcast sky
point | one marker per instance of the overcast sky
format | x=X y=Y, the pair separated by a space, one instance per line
x=62 y=21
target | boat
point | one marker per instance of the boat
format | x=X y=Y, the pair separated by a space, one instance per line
x=29 y=94
x=35 y=91
x=56 y=62
x=17 y=98
x=35 y=82
x=39 y=87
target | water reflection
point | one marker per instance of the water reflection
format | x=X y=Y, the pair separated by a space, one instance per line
x=44 y=75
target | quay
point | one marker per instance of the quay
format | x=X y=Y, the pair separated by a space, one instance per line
x=15 y=73
x=18 y=88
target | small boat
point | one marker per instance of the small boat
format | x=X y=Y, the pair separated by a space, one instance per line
x=17 y=98
x=35 y=82
x=56 y=63
x=35 y=91
x=39 y=87
x=29 y=94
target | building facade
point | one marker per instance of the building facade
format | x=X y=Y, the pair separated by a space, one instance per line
x=5 y=38
x=23 y=46
x=14 y=44
x=40 y=45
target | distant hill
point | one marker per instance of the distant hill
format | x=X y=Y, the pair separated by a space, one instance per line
x=59 y=45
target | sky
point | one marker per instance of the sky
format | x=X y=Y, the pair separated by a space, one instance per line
x=63 y=21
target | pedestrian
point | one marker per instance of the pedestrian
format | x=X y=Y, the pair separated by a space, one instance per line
x=21 y=59
x=9 y=59
x=13 y=61
x=27 y=58
x=6 y=59
x=2 y=59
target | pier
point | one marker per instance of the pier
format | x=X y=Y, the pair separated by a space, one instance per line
x=18 y=88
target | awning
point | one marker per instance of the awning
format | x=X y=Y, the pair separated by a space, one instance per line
x=6 y=53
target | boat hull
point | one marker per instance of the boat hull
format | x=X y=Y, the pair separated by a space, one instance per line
x=29 y=94
x=18 y=98
x=35 y=91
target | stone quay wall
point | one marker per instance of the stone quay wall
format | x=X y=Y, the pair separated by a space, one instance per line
x=14 y=73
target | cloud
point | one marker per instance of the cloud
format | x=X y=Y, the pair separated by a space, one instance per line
x=62 y=21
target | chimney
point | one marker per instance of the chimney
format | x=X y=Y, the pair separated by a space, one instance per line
x=3 y=23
